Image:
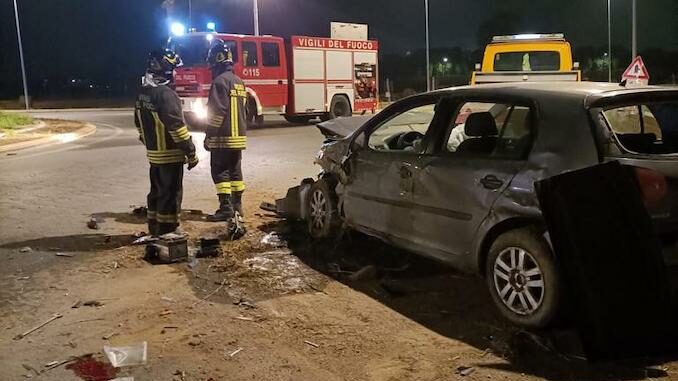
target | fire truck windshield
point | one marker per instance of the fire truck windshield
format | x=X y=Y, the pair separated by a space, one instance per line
x=193 y=49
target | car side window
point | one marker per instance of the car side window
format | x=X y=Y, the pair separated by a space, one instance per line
x=494 y=130
x=404 y=131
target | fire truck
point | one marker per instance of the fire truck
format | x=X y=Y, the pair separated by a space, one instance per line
x=302 y=78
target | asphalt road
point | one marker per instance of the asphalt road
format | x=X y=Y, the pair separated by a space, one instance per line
x=51 y=191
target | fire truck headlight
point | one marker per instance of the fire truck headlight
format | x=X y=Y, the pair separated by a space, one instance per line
x=199 y=110
x=209 y=37
x=178 y=29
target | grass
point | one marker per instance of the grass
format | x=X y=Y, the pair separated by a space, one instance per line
x=13 y=121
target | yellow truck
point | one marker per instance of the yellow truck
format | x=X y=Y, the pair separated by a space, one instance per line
x=527 y=58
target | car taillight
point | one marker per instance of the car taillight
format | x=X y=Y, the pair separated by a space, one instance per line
x=652 y=185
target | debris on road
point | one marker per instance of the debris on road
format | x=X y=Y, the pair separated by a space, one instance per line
x=53 y=318
x=273 y=239
x=93 y=224
x=464 y=370
x=195 y=341
x=127 y=356
x=144 y=240
x=64 y=255
x=23 y=278
x=209 y=247
x=139 y=211
x=166 y=312
x=244 y=318
x=31 y=369
x=89 y=368
x=167 y=299
x=244 y=303
x=235 y=352
x=311 y=344
x=108 y=336
x=25 y=250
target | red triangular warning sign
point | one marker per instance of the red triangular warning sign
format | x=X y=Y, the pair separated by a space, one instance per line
x=636 y=70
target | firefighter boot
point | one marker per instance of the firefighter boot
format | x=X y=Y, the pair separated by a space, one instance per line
x=236 y=200
x=225 y=211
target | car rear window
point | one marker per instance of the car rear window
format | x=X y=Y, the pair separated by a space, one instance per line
x=527 y=61
x=649 y=128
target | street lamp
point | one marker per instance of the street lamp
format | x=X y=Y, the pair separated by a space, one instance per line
x=609 y=41
x=428 y=52
x=634 y=30
x=21 y=55
x=256 y=17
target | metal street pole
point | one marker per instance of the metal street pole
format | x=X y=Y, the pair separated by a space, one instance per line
x=190 y=14
x=609 y=41
x=634 y=38
x=21 y=55
x=428 y=52
x=256 y=17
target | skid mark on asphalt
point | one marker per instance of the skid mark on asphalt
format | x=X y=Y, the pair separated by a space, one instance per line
x=110 y=132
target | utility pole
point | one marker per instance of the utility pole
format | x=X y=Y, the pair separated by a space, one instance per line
x=634 y=28
x=190 y=14
x=609 y=41
x=428 y=52
x=256 y=17
x=21 y=55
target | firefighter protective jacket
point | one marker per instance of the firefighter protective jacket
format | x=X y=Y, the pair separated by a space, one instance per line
x=226 y=107
x=159 y=119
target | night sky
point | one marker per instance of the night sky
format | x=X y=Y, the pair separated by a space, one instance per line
x=107 y=40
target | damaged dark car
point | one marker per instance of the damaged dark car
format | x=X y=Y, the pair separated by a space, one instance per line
x=451 y=175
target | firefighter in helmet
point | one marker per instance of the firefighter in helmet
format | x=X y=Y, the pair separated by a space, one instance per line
x=226 y=132
x=159 y=119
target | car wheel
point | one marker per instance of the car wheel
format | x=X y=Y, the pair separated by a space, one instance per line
x=523 y=278
x=323 y=218
x=340 y=107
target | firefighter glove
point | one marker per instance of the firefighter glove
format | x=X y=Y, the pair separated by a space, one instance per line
x=192 y=161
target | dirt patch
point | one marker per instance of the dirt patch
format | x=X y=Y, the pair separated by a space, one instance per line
x=277 y=306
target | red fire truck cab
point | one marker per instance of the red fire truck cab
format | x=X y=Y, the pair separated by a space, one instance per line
x=306 y=78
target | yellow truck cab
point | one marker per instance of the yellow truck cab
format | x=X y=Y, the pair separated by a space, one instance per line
x=527 y=58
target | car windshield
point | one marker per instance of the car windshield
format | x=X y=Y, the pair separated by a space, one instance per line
x=527 y=61
x=193 y=49
x=650 y=128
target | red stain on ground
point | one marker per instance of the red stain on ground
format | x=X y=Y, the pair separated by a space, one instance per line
x=90 y=369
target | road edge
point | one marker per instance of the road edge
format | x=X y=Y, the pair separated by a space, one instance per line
x=87 y=130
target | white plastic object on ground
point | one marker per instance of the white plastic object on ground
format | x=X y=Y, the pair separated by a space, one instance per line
x=126 y=356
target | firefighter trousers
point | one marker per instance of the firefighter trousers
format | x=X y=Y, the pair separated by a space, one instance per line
x=226 y=165
x=164 y=199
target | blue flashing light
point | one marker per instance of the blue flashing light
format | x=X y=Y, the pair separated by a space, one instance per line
x=211 y=26
x=178 y=29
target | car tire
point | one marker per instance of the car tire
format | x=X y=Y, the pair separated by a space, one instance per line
x=323 y=220
x=340 y=107
x=523 y=278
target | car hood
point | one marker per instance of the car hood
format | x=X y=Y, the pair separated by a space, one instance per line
x=342 y=127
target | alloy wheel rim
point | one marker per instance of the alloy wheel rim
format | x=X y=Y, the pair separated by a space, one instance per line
x=519 y=281
x=319 y=211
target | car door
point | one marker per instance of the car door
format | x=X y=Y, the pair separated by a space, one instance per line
x=379 y=196
x=457 y=187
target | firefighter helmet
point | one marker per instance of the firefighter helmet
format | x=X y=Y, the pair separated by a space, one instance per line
x=219 y=54
x=163 y=62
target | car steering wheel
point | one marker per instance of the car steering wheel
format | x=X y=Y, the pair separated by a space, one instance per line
x=407 y=139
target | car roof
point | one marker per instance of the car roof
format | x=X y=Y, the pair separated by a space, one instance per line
x=591 y=92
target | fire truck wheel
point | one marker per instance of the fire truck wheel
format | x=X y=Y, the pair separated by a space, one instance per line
x=339 y=107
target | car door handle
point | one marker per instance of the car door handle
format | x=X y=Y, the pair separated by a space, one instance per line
x=405 y=173
x=491 y=182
